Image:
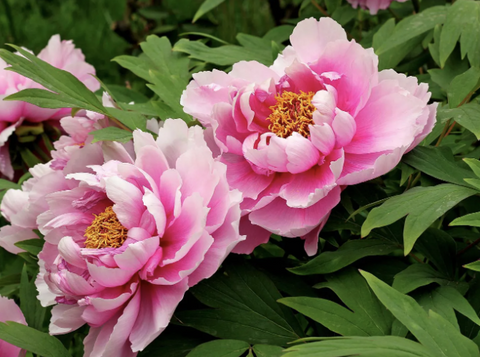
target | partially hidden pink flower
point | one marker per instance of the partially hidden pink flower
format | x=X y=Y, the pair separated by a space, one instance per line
x=61 y=54
x=372 y=5
x=293 y=134
x=9 y=311
x=128 y=229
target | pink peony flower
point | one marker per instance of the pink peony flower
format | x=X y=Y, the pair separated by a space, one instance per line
x=9 y=311
x=372 y=5
x=61 y=54
x=73 y=153
x=127 y=232
x=294 y=133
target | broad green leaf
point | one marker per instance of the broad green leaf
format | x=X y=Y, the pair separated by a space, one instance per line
x=220 y=348
x=344 y=14
x=29 y=157
x=467 y=116
x=421 y=205
x=435 y=333
x=45 y=99
x=474 y=164
x=440 y=249
x=206 y=6
x=351 y=251
x=130 y=119
x=140 y=65
x=33 y=246
x=445 y=300
x=462 y=22
x=52 y=78
x=417 y=275
x=472 y=219
x=222 y=56
x=364 y=315
x=245 y=307
x=373 y=346
x=279 y=34
x=475 y=266
x=462 y=85
x=439 y=163
x=268 y=351
x=32 y=340
x=31 y=308
x=413 y=26
x=111 y=133
x=174 y=342
x=5 y=184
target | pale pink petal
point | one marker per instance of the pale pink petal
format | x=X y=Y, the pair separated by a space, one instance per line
x=310 y=37
x=254 y=236
x=65 y=319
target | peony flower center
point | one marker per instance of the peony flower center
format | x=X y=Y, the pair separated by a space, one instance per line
x=105 y=231
x=292 y=112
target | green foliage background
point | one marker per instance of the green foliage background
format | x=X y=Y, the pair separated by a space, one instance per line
x=397 y=270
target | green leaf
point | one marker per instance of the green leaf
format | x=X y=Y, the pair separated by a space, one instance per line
x=220 y=348
x=467 y=116
x=45 y=99
x=29 y=157
x=33 y=246
x=438 y=162
x=130 y=119
x=111 y=133
x=279 y=34
x=206 y=6
x=472 y=220
x=417 y=275
x=413 y=26
x=474 y=164
x=445 y=300
x=32 y=340
x=5 y=184
x=462 y=85
x=222 y=56
x=268 y=351
x=475 y=266
x=463 y=20
x=440 y=249
x=435 y=333
x=421 y=205
x=351 y=251
x=245 y=307
x=373 y=346
x=365 y=315
x=52 y=78
x=31 y=308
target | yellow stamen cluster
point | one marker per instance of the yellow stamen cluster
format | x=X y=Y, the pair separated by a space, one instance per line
x=105 y=231
x=292 y=112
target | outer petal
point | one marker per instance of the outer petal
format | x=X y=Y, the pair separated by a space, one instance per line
x=310 y=37
x=156 y=310
x=9 y=311
x=278 y=218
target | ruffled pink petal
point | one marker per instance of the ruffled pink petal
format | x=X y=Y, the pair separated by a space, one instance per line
x=111 y=340
x=65 y=319
x=9 y=235
x=254 y=236
x=128 y=201
x=157 y=308
x=280 y=219
x=358 y=68
x=310 y=37
x=182 y=234
x=241 y=176
x=344 y=127
x=374 y=133
x=323 y=138
x=9 y=311
x=252 y=71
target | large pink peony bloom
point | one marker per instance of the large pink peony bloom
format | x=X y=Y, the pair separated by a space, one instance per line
x=292 y=134
x=9 y=311
x=373 y=5
x=61 y=54
x=127 y=232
